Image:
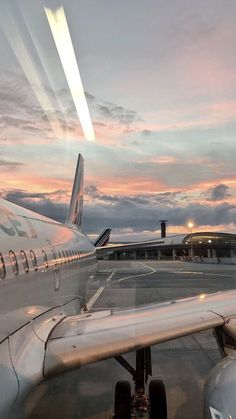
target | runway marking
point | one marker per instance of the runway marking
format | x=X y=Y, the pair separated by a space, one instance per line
x=199 y=273
x=213 y=274
x=97 y=294
x=186 y=272
x=229 y=276
x=135 y=276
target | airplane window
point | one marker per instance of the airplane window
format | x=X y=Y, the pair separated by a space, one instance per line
x=45 y=259
x=33 y=260
x=2 y=267
x=54 y=258
x=59 y=257
x=14 y=263
x=63 y=256
x=24 y=261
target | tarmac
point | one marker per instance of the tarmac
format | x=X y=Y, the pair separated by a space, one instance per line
x=183 y=364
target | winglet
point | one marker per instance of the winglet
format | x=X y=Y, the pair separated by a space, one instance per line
x=103 y=239
x=75 y=211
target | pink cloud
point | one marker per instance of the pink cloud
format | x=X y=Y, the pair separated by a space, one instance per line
x=35 y=183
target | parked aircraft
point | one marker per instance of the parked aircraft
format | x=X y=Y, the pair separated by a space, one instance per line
x=45 y=330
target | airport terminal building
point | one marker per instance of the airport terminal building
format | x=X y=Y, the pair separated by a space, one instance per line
x=209 y=246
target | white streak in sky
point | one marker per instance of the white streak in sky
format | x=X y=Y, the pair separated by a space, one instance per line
x=61 y=34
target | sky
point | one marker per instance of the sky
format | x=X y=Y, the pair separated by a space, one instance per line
x=160 y=84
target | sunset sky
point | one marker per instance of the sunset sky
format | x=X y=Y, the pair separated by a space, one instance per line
x=160 y=83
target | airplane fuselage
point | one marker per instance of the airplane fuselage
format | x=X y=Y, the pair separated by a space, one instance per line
x=45 y=267
x=42 y=262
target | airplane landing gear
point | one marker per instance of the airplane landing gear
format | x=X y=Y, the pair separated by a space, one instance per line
x=153 y=405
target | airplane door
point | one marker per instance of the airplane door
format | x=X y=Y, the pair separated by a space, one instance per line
x=56 y=269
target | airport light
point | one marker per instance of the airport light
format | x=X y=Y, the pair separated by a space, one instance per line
x=61 y=35
x=190 y=226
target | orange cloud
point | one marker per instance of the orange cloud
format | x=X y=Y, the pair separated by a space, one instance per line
x=35 y=184
x=127 y=186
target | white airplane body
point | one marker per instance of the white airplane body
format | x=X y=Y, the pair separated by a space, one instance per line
x=56 y=255
x=45 y=268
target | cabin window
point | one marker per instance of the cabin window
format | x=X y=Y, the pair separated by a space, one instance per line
x=24 y=261
x=54 y=257
x=2 y=267
x=45 y=260
x=59 y=257
x=33 y=260
x=14 y=263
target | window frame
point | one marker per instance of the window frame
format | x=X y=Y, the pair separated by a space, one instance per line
x=45 y=259
x=63 y=256
x=2 y=267
x=33 y=260
x=24 y=261
x=14 y=264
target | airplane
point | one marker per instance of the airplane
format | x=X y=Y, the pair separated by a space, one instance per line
x=45 y=329
x=103 y=239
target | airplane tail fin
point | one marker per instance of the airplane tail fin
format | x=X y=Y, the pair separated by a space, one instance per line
x=74 y=216
x=103 y=239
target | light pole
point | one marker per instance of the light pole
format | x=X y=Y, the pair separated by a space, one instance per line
x=190 y=226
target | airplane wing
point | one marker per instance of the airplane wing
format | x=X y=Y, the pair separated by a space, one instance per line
x=91 y=337
x=104 y=250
